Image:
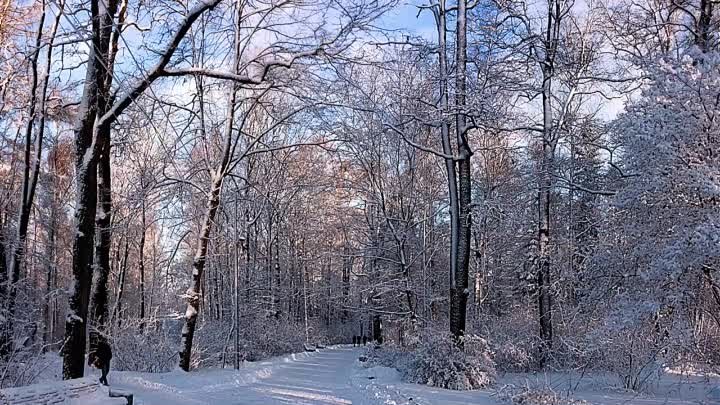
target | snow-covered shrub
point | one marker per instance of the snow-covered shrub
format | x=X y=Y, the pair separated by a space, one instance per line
x=512 y=356
x=27 y=365
x=529 y=396
x=271 y=337
x=513 y=340
x=387 y=356
x=152 y=350
x=439 y=362
x=260 y=338
x=632 y=349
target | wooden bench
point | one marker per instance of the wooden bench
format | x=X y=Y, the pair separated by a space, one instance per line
x=116 y=393
x=77 y=391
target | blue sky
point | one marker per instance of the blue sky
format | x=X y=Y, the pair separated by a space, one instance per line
x=405 y=17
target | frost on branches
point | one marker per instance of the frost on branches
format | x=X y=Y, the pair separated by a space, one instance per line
x=667 y=223
x=671 y=141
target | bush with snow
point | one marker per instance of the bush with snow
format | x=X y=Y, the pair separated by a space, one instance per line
x=436 y=360
x=439 y=362
x=270 y=337
x=530 y=396
x=152 y=351
x=633 y=351
x=511 y=356
x=513 y=339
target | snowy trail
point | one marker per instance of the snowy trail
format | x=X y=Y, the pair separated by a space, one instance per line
x=322 y=378
x=328 y=377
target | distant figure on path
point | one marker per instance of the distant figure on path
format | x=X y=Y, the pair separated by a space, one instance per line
x=100 y=358
x=364 y=340
x=354 y=340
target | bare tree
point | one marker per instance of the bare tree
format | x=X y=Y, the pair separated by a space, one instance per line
x=95 y=114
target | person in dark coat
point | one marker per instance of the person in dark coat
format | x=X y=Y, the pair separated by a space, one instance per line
x=364 y=340
x=100 y=358
x=354 y=340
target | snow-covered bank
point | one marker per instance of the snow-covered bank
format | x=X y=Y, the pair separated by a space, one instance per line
x=604 y=388
x=335 y=376
x=385 y=384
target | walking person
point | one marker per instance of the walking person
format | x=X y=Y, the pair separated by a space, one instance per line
x=100 y=358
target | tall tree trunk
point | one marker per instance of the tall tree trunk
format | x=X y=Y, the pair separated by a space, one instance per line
x=306 y=281
x=52 y=298
x=99 y=294
x=545 y=187
x=193 y=293
x=99 y=312
x=3 y=274
x=95 y=98
x=457 y=320
x=248 y=255
x=703 y=29
x=377 y=328
x=51 y=251
x=141 y=260
x=236 y=287
x=459 y=285
x=346 y=270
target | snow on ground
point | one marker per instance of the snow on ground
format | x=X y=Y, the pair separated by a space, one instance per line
x=82 y=391
x=384 y=386
x=328 y=377
x=599 y=388
x=334 y=376
x=319 y=378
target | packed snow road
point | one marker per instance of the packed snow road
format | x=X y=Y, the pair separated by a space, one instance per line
x=328 y=377
x=335 y=377
x=321 y=378
x=332 y=376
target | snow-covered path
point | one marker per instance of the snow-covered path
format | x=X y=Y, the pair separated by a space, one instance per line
x=333 y=377
x=322 y=378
